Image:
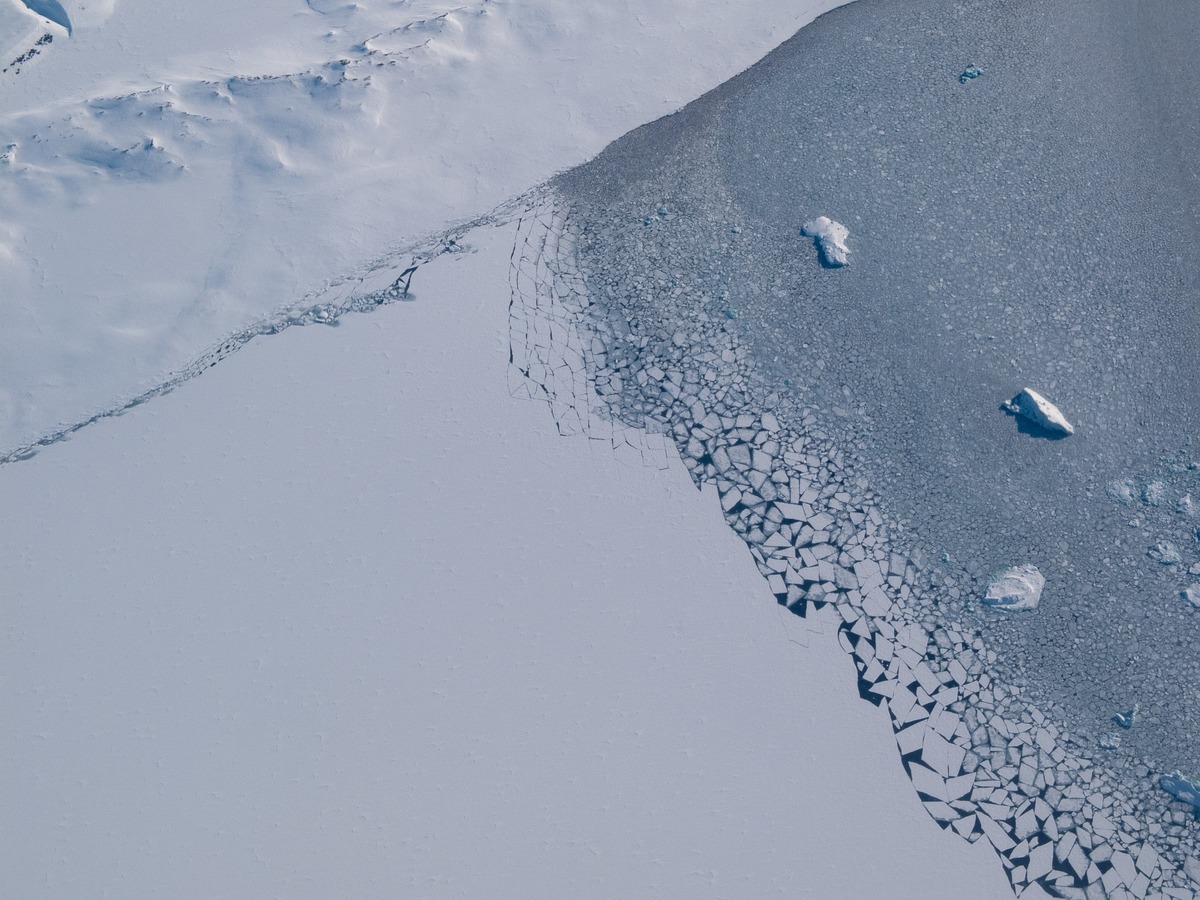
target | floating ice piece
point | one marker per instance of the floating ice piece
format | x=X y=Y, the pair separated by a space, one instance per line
x=1191 y=595
x=831 y=239
x=1037 y=409
x=1127 y=718
x=1181 y=789
x=1018 y=588
x=970 y=73
x=1191 y=868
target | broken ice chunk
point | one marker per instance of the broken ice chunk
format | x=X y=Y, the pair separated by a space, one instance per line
x=831 y=239
x=1191 y=595
x=1018 y=588
x=1181 y=789
x=969 y=74
x=1033 y=406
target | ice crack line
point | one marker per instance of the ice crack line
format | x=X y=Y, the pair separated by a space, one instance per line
x=386 y=281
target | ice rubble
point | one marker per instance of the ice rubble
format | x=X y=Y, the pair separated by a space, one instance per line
x=1033 y=406
x=831 y=239
x=1017 y=588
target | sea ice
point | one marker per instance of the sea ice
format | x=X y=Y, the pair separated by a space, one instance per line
x=831 y=239
x=1037 y=409
x=1191 y=595
x=1018 y=588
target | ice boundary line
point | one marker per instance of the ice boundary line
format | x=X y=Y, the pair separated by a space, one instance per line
x=382 y=282
x=985 y=760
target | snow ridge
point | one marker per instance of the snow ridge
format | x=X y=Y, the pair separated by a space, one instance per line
x=52 y=10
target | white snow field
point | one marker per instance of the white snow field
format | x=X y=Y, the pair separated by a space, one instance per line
x=343 y=618
x=171 y=172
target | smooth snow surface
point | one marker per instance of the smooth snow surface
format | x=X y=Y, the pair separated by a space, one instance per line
x=173 y=172
x=343 y=618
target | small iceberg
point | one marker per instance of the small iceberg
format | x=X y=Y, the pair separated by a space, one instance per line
x=831 y=240
x=1181 y=789
x=1191 y=595
x=1018 y=588
x=1031 y=405
x=1126 y=719
x=970 y=73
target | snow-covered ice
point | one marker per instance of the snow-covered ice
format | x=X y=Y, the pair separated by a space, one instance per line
x=170 y=176
x=179 y=171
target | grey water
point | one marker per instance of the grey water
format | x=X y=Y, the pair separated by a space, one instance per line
x=1037 y=225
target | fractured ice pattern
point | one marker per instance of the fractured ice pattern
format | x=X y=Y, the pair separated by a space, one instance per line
x=851 y=419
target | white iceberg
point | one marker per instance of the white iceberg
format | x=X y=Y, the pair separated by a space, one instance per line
x=831 y=239
x=1037 y=409
x=1018 y=588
